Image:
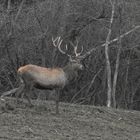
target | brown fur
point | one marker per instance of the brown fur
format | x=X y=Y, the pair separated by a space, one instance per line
x=46 y=78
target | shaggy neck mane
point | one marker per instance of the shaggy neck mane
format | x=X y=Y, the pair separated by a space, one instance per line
x=71 y=72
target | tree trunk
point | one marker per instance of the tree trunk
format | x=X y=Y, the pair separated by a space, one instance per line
x=108 y=66
x=116 y=74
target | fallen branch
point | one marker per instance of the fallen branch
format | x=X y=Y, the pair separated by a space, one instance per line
x=9 y=92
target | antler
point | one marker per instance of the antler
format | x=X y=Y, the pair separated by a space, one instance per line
x=57 y=43
x=76 y=48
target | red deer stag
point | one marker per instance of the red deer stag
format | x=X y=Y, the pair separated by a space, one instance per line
x=50 y=78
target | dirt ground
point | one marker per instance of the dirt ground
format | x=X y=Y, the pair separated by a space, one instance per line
x=75 y=122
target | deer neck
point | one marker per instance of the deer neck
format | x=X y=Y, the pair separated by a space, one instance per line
x=70 y=72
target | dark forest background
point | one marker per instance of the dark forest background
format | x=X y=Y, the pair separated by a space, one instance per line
x=26 y=30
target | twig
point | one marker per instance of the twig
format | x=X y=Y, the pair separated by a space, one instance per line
x=78 y=93
x=123 y=35
x=37 y=18
x=19 y=10
x=8 y=6
x=92 y=81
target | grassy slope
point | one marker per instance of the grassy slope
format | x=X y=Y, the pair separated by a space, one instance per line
x=76 y=122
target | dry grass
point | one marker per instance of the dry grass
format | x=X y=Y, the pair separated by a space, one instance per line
x=76 y=122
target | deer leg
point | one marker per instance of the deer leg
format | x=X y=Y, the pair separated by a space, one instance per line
x=27 y=94
x=19 y=92
x=57 y=100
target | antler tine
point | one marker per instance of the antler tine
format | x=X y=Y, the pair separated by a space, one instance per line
x=78 y=54
x=59 y=46
x=66 y=47
x=54 y=40
x=58 y=40
x=76 y=48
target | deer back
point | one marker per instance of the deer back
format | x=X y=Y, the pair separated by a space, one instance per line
x=43 y=76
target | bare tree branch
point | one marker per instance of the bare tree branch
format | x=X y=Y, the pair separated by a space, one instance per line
x=110 y=42
x=92 y=81
x=8 y=6
x=19 y=10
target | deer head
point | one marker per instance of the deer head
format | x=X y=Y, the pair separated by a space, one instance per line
x=74 y=60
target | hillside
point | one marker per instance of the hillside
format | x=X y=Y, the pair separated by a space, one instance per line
x=75 y=122
x=27 y=28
